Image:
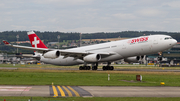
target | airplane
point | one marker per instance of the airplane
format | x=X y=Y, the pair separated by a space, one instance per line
x=129 y=49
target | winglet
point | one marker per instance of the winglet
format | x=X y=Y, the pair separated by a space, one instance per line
x=6 y=43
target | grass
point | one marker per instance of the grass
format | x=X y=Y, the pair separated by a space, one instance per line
x=86 y=78
x=121 y=66
x=87 y=99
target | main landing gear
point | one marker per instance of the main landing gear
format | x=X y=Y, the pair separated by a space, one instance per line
x=84 y=68
x=108 y=67
x=95 y=67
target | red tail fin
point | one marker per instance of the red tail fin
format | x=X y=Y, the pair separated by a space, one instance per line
x=35 y=41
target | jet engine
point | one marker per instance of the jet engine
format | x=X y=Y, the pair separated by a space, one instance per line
x=52 y=54
x=92 y=58
x=133 y=59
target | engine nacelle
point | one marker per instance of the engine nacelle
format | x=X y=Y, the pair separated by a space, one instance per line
x=52 y=54
x=134 y=59
x=92 y=58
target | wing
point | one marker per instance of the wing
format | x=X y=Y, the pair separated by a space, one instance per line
x=26 y=47
x=64 y=53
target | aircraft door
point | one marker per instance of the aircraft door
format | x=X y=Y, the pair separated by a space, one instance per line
x=155 y=40
x=123 y=46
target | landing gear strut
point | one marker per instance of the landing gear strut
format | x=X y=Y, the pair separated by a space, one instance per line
x=95 y=67
x=108 y=67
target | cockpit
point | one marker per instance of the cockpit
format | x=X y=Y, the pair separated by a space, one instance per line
x=166 y=38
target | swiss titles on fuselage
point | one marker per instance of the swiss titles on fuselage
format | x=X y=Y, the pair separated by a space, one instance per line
x=138 y=40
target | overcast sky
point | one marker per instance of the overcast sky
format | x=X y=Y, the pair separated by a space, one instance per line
x=88 y=16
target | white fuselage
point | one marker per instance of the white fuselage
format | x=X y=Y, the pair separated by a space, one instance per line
x=121 y=49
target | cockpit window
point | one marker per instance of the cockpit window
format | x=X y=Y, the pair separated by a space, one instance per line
x=166 y=38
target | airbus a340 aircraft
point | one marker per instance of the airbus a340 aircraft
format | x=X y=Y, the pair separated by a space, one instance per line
x=94 y=54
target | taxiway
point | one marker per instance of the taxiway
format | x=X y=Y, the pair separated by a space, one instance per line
x=89 y=91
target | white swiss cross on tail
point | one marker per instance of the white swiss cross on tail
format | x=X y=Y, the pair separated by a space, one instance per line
x=35 y=42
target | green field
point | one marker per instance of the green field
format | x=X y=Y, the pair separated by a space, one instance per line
x=86 y=78
x=122 y=66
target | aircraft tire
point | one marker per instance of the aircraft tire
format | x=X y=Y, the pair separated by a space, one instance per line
x=85 y=67
x=94 y=67
x=105 y=67
x=80 y=68
x=111 y=68
x=88 y=68
x=108 y=68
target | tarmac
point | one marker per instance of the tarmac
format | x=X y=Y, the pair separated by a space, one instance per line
x=129 y=91
x=89 y=91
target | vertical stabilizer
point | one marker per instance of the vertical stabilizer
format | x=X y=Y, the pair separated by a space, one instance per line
x=35 y=40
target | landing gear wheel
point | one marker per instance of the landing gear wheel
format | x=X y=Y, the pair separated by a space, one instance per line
x=108 y=68
x=111 y=68
x=94 y=67
x=84 y=68
x=88 y=68
x=80 y=68
x=104 y=67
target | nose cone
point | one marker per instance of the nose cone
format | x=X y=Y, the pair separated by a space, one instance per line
x=174 y=42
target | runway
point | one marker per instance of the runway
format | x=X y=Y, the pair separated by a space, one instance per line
x=89 y=91
x=129 y=91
